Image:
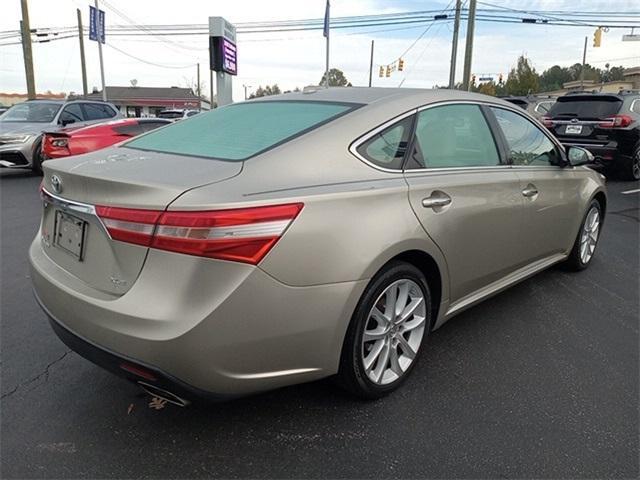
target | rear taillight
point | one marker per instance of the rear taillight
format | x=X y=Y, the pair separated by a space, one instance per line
x=128 y=224
x=241 y=235
x=59 y=142
x=547 y=122
x=616 y=121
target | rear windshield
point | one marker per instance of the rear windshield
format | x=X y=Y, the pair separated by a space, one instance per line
x=242 y=130
x=586 y=108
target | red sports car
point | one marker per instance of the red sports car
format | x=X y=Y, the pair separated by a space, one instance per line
x=74 y=141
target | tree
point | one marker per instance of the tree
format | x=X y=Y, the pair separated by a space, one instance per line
x=523 y=79
x=336 y=78
x=553 y=78
x=266 y=91
x=488 y=88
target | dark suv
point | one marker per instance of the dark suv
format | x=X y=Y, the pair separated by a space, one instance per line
x=606 y=124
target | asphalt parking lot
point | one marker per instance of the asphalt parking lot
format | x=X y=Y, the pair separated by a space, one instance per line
x=540 y=381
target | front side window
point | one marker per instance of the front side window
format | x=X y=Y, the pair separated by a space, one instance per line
x=71 y=113
x=453 y=136
x=239 y=131
x=526 y=143
x=387 y=148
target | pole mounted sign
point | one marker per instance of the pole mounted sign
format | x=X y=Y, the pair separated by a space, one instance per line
x=96 y=25
x=223 y=56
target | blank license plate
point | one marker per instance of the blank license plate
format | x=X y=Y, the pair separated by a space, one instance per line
x=573 y=129
x=69 y=234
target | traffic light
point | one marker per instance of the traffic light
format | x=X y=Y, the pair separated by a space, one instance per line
x=381 y=73
x=597 y=37
x=500 y=79
x=473 y=79
x=400 y=65
x=388 y=72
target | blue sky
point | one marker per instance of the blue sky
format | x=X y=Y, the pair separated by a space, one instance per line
x=297 y=58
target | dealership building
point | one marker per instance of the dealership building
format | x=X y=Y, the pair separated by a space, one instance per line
x=149 y=101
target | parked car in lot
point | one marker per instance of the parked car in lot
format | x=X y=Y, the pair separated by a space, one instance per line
x=536 y=105
x=75 y=141
x=22 y=125
x=606 y=124
x=177 y=114
x=299 y=236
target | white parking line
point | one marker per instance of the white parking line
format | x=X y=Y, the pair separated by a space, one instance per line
x=631 y=191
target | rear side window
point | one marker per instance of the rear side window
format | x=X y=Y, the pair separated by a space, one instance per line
x=593 y=108
x=454 y=136
x=240 y=131
x=387 y=148
x=543 y=107
x=527 y=144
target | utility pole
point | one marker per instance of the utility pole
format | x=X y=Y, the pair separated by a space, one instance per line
x=27 y=53
x=99 y=29
x=245 y=90
x=584 y=59
x=371 y=65
x=82 y=62
x=211 y=89
x=198 y=84
x=468 y=51
x=454 y=45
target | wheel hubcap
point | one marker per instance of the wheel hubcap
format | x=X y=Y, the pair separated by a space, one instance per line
x=589 y=235
x=636 y=166
x=393 y=331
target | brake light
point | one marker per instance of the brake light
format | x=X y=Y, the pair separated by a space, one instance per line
x=616 y=121
x=241 y=235
x=547 y=122
x=128 y=224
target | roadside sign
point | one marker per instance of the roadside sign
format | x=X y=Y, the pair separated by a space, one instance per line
x=96 y=25
x=631 y=38
x=223 y=53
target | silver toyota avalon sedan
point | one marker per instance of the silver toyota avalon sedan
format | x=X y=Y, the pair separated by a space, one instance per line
x=304 y=235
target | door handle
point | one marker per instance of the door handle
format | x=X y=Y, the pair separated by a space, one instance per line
x=530 y=191
x=437 y=199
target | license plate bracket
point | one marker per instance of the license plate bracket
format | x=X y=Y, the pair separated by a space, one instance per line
x=575 y=129
x=70 y=234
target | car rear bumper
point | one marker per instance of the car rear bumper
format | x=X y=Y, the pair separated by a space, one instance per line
x=218 y=328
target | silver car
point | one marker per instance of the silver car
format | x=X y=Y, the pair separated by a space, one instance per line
x=302 y=236
x=22 y=125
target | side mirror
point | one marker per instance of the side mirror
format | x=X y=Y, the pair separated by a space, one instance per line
x=66 y=121
x=579 y=156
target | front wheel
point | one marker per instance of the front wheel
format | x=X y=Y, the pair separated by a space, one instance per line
x=386 y=332
x=587 y=239
x=36 y=160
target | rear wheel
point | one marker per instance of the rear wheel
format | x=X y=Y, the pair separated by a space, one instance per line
x=386 y=332
x=631 y=166
x=587 y=240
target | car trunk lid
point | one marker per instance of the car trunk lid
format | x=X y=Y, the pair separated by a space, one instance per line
x=75 y=237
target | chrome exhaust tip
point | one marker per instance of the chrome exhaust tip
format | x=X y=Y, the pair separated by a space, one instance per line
x=163 y=394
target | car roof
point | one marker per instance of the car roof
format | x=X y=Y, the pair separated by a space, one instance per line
x=379 y=95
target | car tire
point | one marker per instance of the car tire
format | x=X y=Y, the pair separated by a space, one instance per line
x=579 y=258
x=36 y=160
x=631 y=166
x=397 y=356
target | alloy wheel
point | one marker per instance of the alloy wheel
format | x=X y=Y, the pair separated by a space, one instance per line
x=393 y=332
x=589 y=236
x=635 y=166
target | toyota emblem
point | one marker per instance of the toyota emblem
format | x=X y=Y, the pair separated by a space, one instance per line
x=56 y=184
